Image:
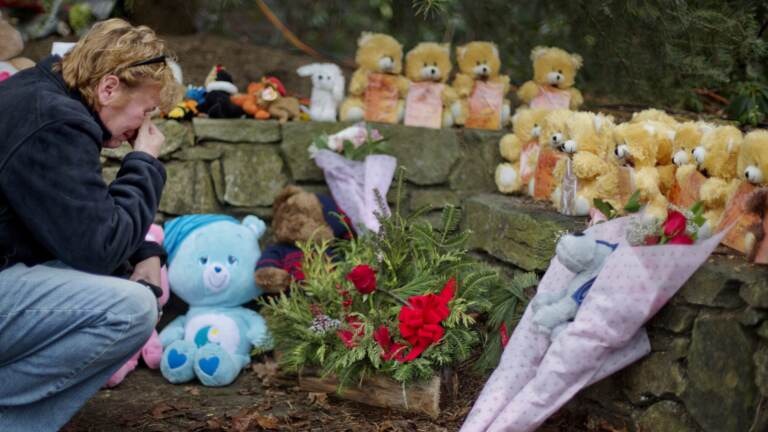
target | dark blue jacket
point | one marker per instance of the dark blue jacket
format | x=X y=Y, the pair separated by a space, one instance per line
x=54 y=203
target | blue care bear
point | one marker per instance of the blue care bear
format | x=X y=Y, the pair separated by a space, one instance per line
x=211 y=259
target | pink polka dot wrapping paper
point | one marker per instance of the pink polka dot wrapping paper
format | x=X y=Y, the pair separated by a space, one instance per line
x=535 y=378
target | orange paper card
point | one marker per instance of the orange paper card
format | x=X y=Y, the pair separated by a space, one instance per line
x=761 y=255
x=735 y=214
x=626 y=184
x=381 y=98
x=687 y=194
x=485 y=106
x=568 y=189
x=551 y=98
x=424 y=105
x=545 y=182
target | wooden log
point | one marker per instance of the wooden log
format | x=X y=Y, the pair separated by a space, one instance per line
x=422 y=397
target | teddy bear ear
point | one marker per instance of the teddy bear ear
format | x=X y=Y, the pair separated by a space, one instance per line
x=577 y=61
x=446 y=47
x=671 y=134
x=538 y=52
x=284 y=195
x=255 y=224
x=364 y=38
x=460 y=51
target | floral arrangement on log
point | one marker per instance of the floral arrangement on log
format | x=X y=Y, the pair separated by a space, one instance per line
x=401 y=302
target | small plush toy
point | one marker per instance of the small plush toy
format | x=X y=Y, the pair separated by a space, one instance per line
x=377 y=88
x=551 y=140
x=717 y=159
x=653 y=114
x=428 y=66
x=479 y=78
x=583 y=255
x=752 y=167
x=267 y=99
x=152 y=351
x=521 y=151
x=298 y=216
x=12 y=45
x=554 y=74
x=646 y=147
x=688 y=136
x=220 y=89
x=327 y=90
x=210 y=266
x=590 y=172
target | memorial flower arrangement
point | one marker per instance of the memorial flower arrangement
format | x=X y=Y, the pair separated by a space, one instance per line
x=400 y=302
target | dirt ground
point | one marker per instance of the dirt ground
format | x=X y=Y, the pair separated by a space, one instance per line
x=262 y=400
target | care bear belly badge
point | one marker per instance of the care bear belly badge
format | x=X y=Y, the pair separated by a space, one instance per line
x=210 y=266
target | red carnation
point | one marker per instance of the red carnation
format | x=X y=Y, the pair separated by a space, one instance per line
x=675 y=224
x=364 y=278
x=391 y=350
x=420 y=322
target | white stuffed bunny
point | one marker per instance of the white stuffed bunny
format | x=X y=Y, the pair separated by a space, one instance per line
x=327 y=90
x=583 y=255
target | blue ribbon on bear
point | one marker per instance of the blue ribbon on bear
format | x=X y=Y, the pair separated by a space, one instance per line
x=177 y=229
x=581 y=293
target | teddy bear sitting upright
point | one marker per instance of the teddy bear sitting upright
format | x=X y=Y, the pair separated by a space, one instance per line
x=377 y=88
x=584 y=255
x=479 y=79
x=12 y=45
x=428 y=66
x=520 y=149
x=210 y=266
x=298 y=216
x=554 y=74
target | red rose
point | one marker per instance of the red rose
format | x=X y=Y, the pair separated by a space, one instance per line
x=391 y=350
x=675 y=224
x=420 y=322
x=652 y=240
x=350 y=337
x=364 y=278
x=681 y=239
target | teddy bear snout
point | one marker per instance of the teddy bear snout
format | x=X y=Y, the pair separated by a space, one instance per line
x=622 y=151
x=536 y=131
x=700 y=153
x=386 y=63
x=554 y=78
x=680 y=158
x=753 y=174
x=430 y=72
x=216 y=277
x=570 y=146
x=482 y=70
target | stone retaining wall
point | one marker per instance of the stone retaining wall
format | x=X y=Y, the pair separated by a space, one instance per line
x=709 y=367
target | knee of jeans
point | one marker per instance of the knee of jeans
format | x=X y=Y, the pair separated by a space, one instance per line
x=142 y=306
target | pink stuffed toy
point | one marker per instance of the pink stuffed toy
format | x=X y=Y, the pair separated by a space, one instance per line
x=152 y=351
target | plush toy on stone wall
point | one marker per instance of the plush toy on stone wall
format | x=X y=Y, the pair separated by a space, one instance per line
x=717 y=159
x=327 y=90
x=554 y=75
x=520 y=149
x=551 y=140
x=480 y=87
x=210 y=266
x=219 y=91
x=428 y=66
x=688 y=179
x=377 y=89
x=11 y=46
x=268 y=99
x=753 y=169
x=298 y=216
x=590 y=172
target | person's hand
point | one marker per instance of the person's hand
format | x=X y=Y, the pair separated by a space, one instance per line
x=148 y=139
x=149 y=270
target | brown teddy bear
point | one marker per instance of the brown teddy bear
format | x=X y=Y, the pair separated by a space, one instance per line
x=428 y=66
x=479 y=79
x=297 y=216
x=752 y=168
x=12 y=45
x=377 y=88
x=554 y=73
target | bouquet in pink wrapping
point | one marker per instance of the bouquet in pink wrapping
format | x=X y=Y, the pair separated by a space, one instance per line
x=358 y=177
x=586 y=320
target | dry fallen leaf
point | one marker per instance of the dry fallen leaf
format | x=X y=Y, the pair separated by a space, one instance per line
x=319 y=399
x=194 y=391
x=161 y=410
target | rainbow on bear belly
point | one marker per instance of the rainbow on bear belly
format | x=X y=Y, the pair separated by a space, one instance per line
x=213 y=328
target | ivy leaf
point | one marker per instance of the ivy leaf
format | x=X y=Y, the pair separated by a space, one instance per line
x=605 y=208
x=633 y=203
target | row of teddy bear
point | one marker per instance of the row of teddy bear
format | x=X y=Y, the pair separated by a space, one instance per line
x=378 y=91
x=572 y=158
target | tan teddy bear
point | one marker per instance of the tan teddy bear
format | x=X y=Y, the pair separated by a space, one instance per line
x=12 y=45
x=591 y=171
x=377 y=88
x=646 y=146
x=653 y=114
x=521 y=150
x=688 y=180
x=553 y=136
x=428 y=66
x=554 y=74
x=752 y=167
x=717 y=159
x=479 y=66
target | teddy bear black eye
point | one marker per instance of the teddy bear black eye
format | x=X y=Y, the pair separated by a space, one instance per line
x=559 y=71
x=320 y=77
x=232 y=260
x=435 y=64
x=478 y=63
x=203 y=260
x=425 y=64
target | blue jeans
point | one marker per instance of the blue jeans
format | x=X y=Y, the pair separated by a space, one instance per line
x=63 y=333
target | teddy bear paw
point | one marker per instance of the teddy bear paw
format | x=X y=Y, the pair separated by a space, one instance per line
x=176 y=364
x=214 y=366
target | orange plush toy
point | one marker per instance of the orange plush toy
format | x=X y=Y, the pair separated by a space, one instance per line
x=267 y=99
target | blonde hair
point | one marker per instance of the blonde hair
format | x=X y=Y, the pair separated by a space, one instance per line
x=110 y=48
